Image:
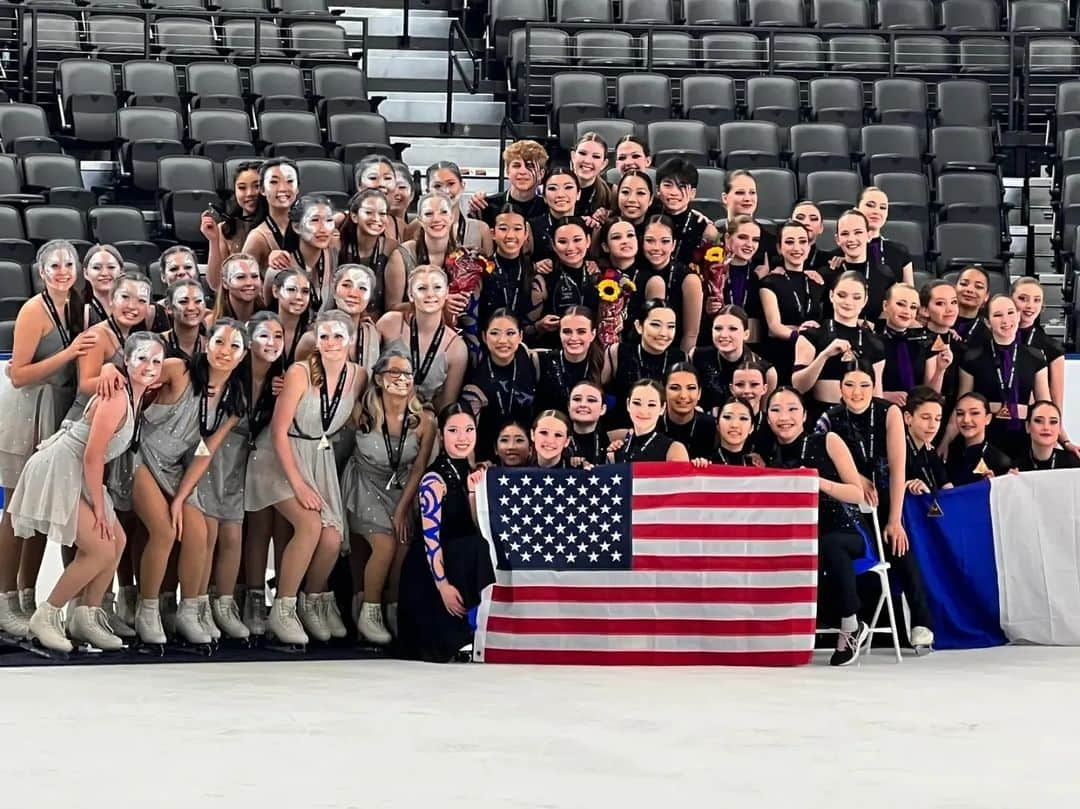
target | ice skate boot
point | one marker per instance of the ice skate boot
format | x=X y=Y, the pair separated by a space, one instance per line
x=47 y=632
x=284 y=627
x=90 y=625
x=206 y=619
x=168 y=613
x=255 y=613
x=391 y=617
x=922 y=639
x=371 y=626
x=190 y=634
x=227 y=616
x=27 y=602
x=13 y=626
x=331 y=615
x=357 y=607
x=312 y=618
x=126 y=600
x=148 y=626
x=119 y=627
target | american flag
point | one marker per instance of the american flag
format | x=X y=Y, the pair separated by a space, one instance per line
x=650 y=564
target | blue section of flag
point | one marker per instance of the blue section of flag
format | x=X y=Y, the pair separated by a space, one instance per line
x=955 y=553
x=561 y=519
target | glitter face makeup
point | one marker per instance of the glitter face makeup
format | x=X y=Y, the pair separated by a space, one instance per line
x=268 y=340
x=144 y=360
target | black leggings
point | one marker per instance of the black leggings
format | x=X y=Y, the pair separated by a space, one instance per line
x=837 y=550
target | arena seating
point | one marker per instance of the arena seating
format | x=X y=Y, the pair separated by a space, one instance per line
x=939 y=102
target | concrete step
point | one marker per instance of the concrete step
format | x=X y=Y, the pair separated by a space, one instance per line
x=386 y=63
x=418 y=108
x=390 y=23
x=478 y=157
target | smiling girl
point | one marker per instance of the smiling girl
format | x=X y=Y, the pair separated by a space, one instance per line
x=432 y=245
x=716 y=365
x=364 y=241
x=38 y=389
x=1044 y=433
x=682 y=419
x=643 y=441
x=62 y=495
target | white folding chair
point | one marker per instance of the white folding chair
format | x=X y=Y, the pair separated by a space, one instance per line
x=873 y=561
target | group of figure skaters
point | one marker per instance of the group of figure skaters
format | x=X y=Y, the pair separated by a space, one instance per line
x=336 y=382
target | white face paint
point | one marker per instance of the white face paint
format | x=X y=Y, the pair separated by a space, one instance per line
x=240 y=271
x=317 y=224
x=295 y=289
x=58 y=268
x=130 y=301
x=186 y=296
x=268 y=341
x=428 y=291
x=280 y=186
x=332 y=337
x=144 y=362
x=225 y=348
x=379 y=175
x=353 y=292
x=180 y=266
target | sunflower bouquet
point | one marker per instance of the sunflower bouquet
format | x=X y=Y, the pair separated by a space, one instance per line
x=614 y=290
x=710 y=262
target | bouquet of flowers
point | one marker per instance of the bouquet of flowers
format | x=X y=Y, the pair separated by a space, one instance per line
x=614 y=290
x=466 y=270
x=709 y=262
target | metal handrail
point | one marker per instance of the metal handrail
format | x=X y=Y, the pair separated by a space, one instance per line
x=507 y=127
x=453 y=65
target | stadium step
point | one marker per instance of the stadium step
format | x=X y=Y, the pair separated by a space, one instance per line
x=415 y=107
x=389 y=22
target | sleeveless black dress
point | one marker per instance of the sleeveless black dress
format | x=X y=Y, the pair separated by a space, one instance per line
x=426 y=630
x=652 y=446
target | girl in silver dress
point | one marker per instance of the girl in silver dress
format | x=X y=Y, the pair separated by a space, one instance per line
x=353 y=287
x=438 y=353
x=35 y=391
x=315 y=403
x=192 y=413
x=266 y=383
x=62 y=494
x=380 y=483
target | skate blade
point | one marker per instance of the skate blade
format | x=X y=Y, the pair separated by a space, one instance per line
x=35 y=648
x=923 y=650
x=274 y=645
x=149 y=649
x=12 y=640
x=200 y=649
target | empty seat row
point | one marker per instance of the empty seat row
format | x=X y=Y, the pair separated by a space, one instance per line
x=736 y=50
x=183 y=36
x=890 y=15
x=647 y=97
x=88 y=96
x=305 y=7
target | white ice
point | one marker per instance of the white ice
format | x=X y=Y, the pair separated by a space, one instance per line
x=994 y=728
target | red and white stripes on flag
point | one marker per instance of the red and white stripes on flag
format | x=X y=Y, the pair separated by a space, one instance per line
x=723 y=572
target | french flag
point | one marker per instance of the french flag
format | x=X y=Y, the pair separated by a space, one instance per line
x=1001 y=559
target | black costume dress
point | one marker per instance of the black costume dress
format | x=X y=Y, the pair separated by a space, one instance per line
x=509 y=390
x=1060 y=459
x=1006 y=375
x=798 y=299
x=635 y=363
x=716 y=373
x=698 y=435
x=962 y=461
x=426 y=630
x=651 y=446
x=558 y=375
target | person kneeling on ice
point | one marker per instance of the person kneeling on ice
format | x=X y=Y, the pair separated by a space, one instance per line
x=62 y=494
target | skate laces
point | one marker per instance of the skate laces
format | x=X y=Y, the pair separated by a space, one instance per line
x=102 y=621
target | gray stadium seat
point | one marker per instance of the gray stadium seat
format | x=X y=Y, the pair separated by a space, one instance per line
x=749 y=145
x=290 y=134
x=146 y=134
x=214 y=85
x=355 y=135
x=277 y=87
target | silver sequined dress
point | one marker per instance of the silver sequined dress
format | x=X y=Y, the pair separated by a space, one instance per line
x=170 y=433
x=266 y=482
x=46 y=500
x=221 y=489
x=32 y=413
x=369 y=503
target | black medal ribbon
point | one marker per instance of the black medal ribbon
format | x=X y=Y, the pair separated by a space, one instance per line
x=205 y=430
x=421 y=368
x=61 y=326
x=393 y=458
x=98 y=309
x=329 y=406
x=136 y=414
x=504 y=407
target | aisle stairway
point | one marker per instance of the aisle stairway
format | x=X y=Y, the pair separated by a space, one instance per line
x=411 y=77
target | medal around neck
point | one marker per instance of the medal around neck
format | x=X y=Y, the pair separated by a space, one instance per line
x=1004 y=413
x=981 y=468
x=935 y=509
x=939 y=344
x=202 y=450
x=324 y=442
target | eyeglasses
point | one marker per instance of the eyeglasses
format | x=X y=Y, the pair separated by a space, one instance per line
x=397 y=373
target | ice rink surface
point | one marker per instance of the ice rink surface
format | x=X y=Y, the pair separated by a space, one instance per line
x=994 y=728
